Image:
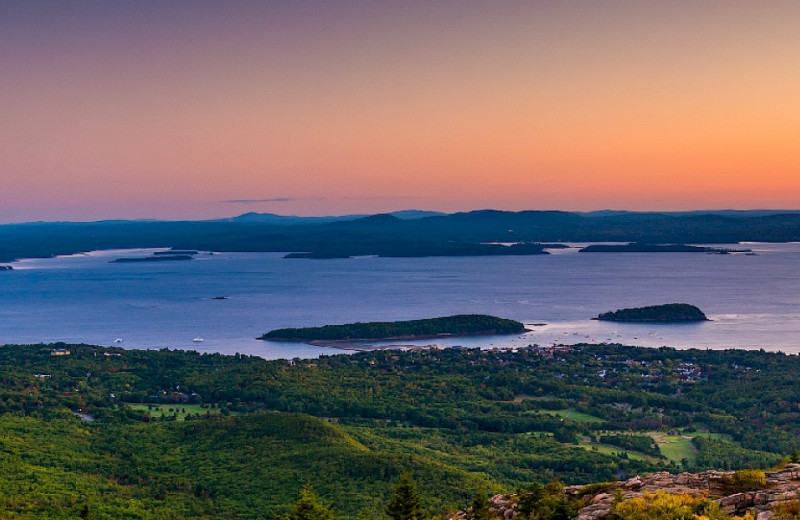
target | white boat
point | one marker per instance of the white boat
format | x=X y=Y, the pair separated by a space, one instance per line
x=198 y=339
x=118 y=340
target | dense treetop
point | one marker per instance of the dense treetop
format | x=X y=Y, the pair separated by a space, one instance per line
x=180 y=434
x=458 y=325
x=670 y=312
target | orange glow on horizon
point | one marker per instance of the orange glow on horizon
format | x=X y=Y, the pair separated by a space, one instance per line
x=573 y=106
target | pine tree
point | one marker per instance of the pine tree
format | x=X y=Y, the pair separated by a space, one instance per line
x=479 y=507
x=530 y=499
x=405 y=503
x=308 y=507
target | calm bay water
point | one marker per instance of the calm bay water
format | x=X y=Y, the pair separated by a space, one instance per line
x=754 y=301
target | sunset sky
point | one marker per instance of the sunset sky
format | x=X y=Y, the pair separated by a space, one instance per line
x=194 y=109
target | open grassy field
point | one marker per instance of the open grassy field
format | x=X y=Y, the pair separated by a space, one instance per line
x=675 y=447
x=181 y=410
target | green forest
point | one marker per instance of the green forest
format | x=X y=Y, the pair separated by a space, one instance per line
x=458 y=325
x=94 y=432
x=667 y=313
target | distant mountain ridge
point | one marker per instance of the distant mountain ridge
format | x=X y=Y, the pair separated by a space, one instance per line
x=413 y=214
x=290 y=220
x=405 y=233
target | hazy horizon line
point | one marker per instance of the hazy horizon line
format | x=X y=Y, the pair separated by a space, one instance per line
x=368 y=214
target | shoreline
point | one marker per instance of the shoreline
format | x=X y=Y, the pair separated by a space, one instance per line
x=363 y=346
x=335 y=343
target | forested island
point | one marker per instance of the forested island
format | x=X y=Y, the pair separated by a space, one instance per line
x=667 y=313
x=636 y=247
x=178 y=434
x=458 y=325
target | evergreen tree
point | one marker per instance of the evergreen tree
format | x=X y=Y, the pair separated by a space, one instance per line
x=563 y=510
x=308 y=507
x=405 y=503
x=530 y=499
x=479 y=507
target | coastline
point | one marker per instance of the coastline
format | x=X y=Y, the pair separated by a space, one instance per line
x=748 y=311
x=335 y=343
x=363 y=346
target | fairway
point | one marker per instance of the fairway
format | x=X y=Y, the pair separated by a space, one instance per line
x=180 y=410
x=675 y=447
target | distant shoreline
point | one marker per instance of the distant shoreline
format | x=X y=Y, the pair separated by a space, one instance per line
x=163 y=258
x=362 y=346
x=472 y=233
x=635 y=247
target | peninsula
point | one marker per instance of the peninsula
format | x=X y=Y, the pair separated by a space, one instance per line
x=458 y=325
x=162 y=258
x=173 y=252
x=419 y=249
x=668 y=313
x=639 y=247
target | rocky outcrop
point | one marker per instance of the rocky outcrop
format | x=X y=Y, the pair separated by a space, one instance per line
x=781 y=486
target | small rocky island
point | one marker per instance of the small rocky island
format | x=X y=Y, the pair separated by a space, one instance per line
x=6 y=268
x=668 y=313
x=459 y=325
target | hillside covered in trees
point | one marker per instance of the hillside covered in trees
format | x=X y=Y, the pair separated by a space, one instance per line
x=175 y=434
